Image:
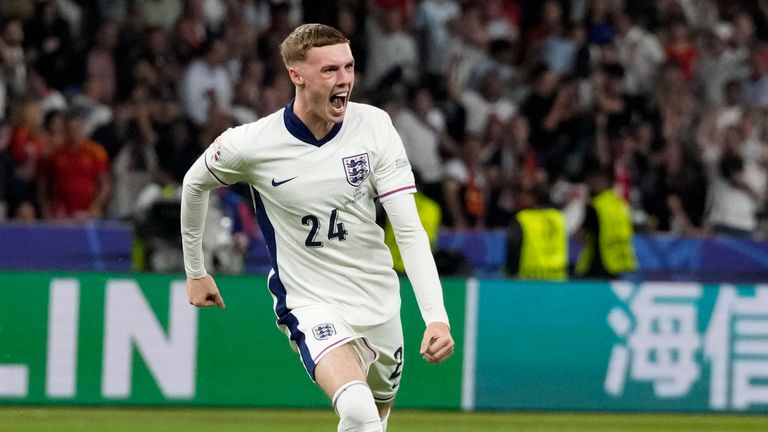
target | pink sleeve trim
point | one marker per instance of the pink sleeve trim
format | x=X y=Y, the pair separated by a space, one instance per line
x=386 y=194
x=205 y=159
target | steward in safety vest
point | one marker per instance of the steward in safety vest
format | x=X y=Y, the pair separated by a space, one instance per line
x=537 y=241
x=606 y=232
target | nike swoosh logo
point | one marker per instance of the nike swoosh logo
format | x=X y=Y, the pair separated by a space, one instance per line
x=278 y=183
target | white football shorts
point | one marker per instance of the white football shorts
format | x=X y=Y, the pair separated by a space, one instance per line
x=315 y=331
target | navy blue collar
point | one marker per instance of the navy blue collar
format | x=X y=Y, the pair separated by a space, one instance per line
x=298 y=129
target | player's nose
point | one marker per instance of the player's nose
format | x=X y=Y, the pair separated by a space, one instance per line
x=345 y=76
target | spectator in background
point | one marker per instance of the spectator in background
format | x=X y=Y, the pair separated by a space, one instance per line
x=100 y=59
x=616 y=110
x=247 y=92
x=701 y=14
x=500 y=24
x=114 y=134
x=513 y=165
x=600 y=26
x=13 y=68
x=47 y=97
x=206 y=85
x=679 y=47
x=466 y=47
x=715 y=122
x=756 y=85
x=549 y=23
x=735 y=192
x=421 y=126
x=537 y=241
x=720 y=63
x=161 y=61
x=177 y=145
x=678 y=193
x=396 y=56
x=672 y=108
x=431 y=25
x=6 y=169
x=630 y=167
x=93 y=104
x=189 y=32
x=559 y=51
x=55 y=130
x=639 y=51
x=132 y=171
x=744 y=31
x=159 y=13
x=352 y=22
x=489 y=102
x=465 y=186
x=607 y=231
x=501 y=59
x=28 y=147
x=562 y=132
x=50 y=44
x=74 y=180
x=241 y=42
x=539 y=102
x=446 y=99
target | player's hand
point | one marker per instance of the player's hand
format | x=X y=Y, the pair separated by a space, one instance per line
x=204 y=293
x=437 y=344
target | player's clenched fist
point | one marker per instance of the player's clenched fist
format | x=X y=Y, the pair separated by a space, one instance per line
x=437 y=344
x=204 y=293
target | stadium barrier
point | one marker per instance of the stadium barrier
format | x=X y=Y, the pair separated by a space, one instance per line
x=622 y=346
x=107 y=246
x=128 y=339
x=91 y=246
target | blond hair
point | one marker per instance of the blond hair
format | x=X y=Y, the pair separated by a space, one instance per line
x=295 y=47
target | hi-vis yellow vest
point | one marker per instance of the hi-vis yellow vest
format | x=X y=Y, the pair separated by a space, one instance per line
x=614 y=236
x=544 y=251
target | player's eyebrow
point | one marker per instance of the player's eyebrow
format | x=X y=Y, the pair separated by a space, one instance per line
x=333 y=67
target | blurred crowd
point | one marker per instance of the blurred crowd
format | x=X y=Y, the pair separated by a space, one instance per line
x=104 y=104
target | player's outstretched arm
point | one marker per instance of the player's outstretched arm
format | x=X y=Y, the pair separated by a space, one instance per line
x=203 y=292
x=437 y=344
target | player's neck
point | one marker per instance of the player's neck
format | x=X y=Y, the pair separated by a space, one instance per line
x=316 y=124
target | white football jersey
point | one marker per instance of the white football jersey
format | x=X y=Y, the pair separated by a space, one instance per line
x=315 y=204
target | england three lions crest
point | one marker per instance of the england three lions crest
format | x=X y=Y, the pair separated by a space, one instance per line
x=356 y=168
x=324 y=331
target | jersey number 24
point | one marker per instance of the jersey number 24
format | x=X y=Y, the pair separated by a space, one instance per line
x=335 y=229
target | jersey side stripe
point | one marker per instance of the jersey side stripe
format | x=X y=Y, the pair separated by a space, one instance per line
x=276 y=287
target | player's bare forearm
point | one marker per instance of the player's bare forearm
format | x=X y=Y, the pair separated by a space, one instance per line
x=437 y=344
x=203 y=292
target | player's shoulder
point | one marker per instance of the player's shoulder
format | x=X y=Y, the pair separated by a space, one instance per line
x=254 y=132
x=263 y=125
x=369 y=113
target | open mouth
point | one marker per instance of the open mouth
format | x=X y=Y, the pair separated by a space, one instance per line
x=338 y=100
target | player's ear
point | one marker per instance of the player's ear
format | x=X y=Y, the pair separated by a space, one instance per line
x=295 y=75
